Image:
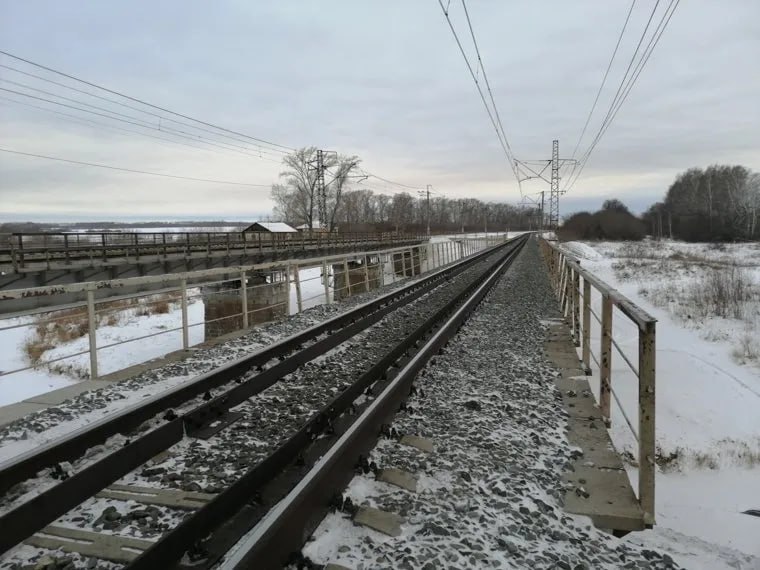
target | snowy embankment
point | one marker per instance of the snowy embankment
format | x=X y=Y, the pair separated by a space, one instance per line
x=708 y=382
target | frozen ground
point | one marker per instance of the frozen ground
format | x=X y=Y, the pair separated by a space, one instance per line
x=708 y=399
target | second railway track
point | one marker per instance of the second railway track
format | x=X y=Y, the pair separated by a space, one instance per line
x=213 y=457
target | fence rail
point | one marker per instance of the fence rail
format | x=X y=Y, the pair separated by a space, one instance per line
x=573 y=286
x=362 y=271
x=33 y=250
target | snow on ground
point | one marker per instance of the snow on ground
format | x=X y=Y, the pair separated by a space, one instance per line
x=28 y=383
x=708 y=424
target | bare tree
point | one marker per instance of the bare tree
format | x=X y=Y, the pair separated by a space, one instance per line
x=344 y=166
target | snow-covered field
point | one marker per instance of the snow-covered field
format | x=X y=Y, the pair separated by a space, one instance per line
x=708 y=389
x=44 y=378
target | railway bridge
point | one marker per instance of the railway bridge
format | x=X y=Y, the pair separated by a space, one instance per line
x=29 y=260
x=442 y=418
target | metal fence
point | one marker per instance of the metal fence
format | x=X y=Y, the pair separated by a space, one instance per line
x=22 y=250
x=573 y=286
x=244 y=285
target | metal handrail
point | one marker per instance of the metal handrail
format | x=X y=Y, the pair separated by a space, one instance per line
x=568 y=279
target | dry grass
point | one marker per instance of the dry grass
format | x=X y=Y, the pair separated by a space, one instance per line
x=60 y=327
x=728 y=452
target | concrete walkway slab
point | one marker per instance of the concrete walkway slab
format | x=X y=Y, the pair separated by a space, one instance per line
x=419 y=442
x=598 y=486
x=16 y=411
x=399 y=478
x=381 y=521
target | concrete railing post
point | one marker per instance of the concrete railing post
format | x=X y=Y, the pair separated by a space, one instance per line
x=366 y=273
x=92 y=333
x=183 y=301
x=287 y=289
x=403 y=263
x=297 y=281
x=347 y=277
x=605 y=380
x=326 y=281
x=577 y=308
x=647 y=442
x=244 y=297
x=586 y=325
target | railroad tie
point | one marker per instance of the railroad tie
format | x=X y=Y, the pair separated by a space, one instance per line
x=87 y=543
x=173 y=498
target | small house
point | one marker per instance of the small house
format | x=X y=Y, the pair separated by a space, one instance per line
x=270 y=227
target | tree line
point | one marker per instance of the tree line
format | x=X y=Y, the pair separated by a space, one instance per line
x=352 y=207
x=718 y=203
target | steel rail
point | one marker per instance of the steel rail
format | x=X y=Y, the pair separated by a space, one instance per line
x=33 y=515
x=286 y=527
x=336 y=467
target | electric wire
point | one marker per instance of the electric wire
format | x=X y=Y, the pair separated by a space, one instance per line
x=138 y=109
x=134 y=171
x=627 y=83
x=604 y=79
x=136 y=100
x=490 y=93
x=506 y=150
x=133 y=121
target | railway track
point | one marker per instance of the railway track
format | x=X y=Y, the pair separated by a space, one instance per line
x=186 y=474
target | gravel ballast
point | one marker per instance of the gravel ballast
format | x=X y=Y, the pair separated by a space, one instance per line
x=490 y=494
x=269 y=417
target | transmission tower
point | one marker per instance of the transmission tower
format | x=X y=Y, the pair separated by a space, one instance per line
x=525 y=169
x=554 y=190
x=320 y=189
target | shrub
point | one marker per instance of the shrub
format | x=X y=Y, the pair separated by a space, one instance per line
x=722 y=292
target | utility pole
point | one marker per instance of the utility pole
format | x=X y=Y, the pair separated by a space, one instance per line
x=426 y=195
x=543 y=218
x=428 y=210
x=554 y=192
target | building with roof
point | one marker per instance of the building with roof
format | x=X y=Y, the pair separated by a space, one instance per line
x=270 y=227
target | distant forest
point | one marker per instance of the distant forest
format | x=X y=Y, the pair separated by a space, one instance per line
x=718 y=203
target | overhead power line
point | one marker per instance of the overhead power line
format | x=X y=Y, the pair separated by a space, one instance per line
x=134 y=108
x=628 y=80
x=604 y=79
x=114 y=116
x=132 y=170
x=136 y=100
x=392 y=182
x=502 y=140
x=490 y=93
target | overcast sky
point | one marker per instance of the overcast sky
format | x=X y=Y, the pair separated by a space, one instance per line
x=380 y=79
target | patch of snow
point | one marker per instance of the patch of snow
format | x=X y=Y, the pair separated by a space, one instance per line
x=707 y=418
